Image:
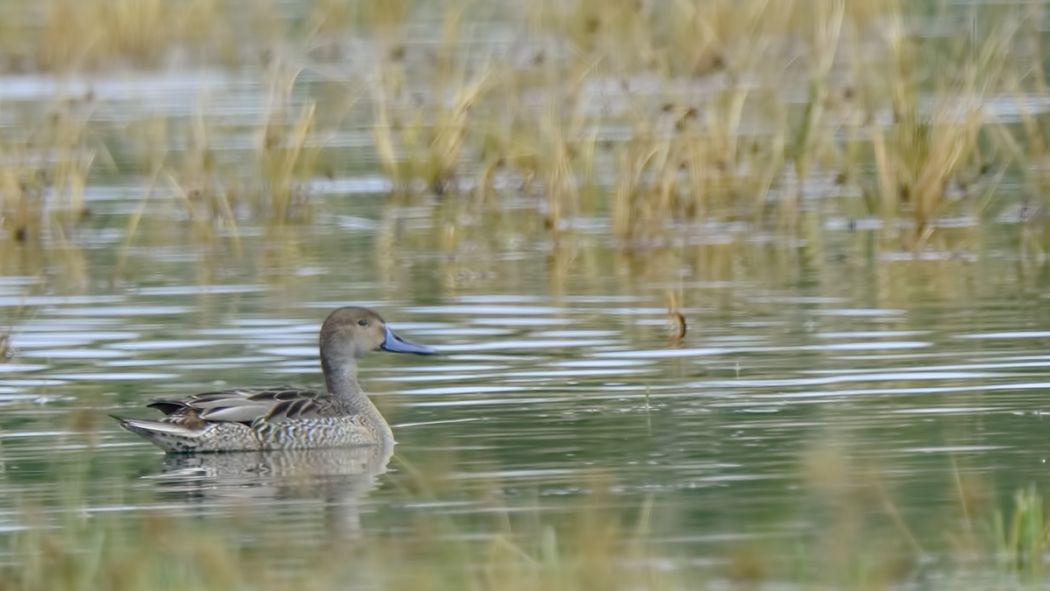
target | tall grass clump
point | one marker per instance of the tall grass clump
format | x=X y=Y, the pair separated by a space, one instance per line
x=1026 y=138
x=288 y=150
x=423 y=118
x=1022 y=535
x=92 y=34
x=44 y=171
x=748 y=108
x=266 y=176
x=937 y=142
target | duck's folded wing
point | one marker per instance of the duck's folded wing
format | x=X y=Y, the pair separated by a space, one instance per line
x=247 y=405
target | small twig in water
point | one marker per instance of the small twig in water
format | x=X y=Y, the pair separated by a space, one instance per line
x=678 y=327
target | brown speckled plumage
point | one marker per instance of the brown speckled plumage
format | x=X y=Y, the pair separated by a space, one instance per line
x=286 y=417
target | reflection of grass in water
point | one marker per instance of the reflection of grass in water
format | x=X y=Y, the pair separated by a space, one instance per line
x=596 y=549
x=857 y=541
x=158 y=552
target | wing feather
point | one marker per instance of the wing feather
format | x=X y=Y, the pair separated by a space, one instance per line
x=236 y=413
x=247 y=405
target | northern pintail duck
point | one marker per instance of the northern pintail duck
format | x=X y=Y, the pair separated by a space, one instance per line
x=287 y=418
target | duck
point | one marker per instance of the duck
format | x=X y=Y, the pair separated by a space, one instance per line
x=287 y=418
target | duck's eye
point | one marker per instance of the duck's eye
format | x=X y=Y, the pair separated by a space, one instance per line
x=362 y=322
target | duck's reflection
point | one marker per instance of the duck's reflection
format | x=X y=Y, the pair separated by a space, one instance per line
x=340 y=478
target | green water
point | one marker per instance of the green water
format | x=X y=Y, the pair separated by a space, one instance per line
x=558 y=380
x=834 y=387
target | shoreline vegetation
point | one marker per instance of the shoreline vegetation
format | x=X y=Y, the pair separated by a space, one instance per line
x=656 y=117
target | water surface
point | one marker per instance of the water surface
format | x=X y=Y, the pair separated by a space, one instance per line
x=825 y=363
x=559 y=379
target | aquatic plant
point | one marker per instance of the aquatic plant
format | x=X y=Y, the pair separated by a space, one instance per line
x=287 y=150
x=657 y=116
x=44 y=171
x=859 y=540
x=77 y=35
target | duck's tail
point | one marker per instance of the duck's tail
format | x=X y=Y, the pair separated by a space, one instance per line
x=167 y=436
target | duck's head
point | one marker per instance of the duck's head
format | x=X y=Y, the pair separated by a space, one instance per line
x=353 y=331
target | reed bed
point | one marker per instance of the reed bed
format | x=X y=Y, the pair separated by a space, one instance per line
x=655 y=115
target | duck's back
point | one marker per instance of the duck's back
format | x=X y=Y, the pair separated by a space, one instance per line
x=245 y=405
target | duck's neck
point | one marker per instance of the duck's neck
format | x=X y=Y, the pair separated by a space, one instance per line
x=340 y=376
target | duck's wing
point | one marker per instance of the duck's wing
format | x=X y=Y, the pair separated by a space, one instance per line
x=246 y=405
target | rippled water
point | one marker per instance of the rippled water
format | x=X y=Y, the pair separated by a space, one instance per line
x=558 y=380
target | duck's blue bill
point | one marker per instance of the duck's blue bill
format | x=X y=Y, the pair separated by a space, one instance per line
x=396 y=344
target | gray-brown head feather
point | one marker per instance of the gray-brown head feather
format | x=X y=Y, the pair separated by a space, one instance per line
x=351 y=332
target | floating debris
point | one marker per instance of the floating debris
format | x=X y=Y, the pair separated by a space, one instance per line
x=678 y=327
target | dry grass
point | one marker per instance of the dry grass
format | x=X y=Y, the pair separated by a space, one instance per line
x=102 y=33
x=655 y=115
x=44 y=170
